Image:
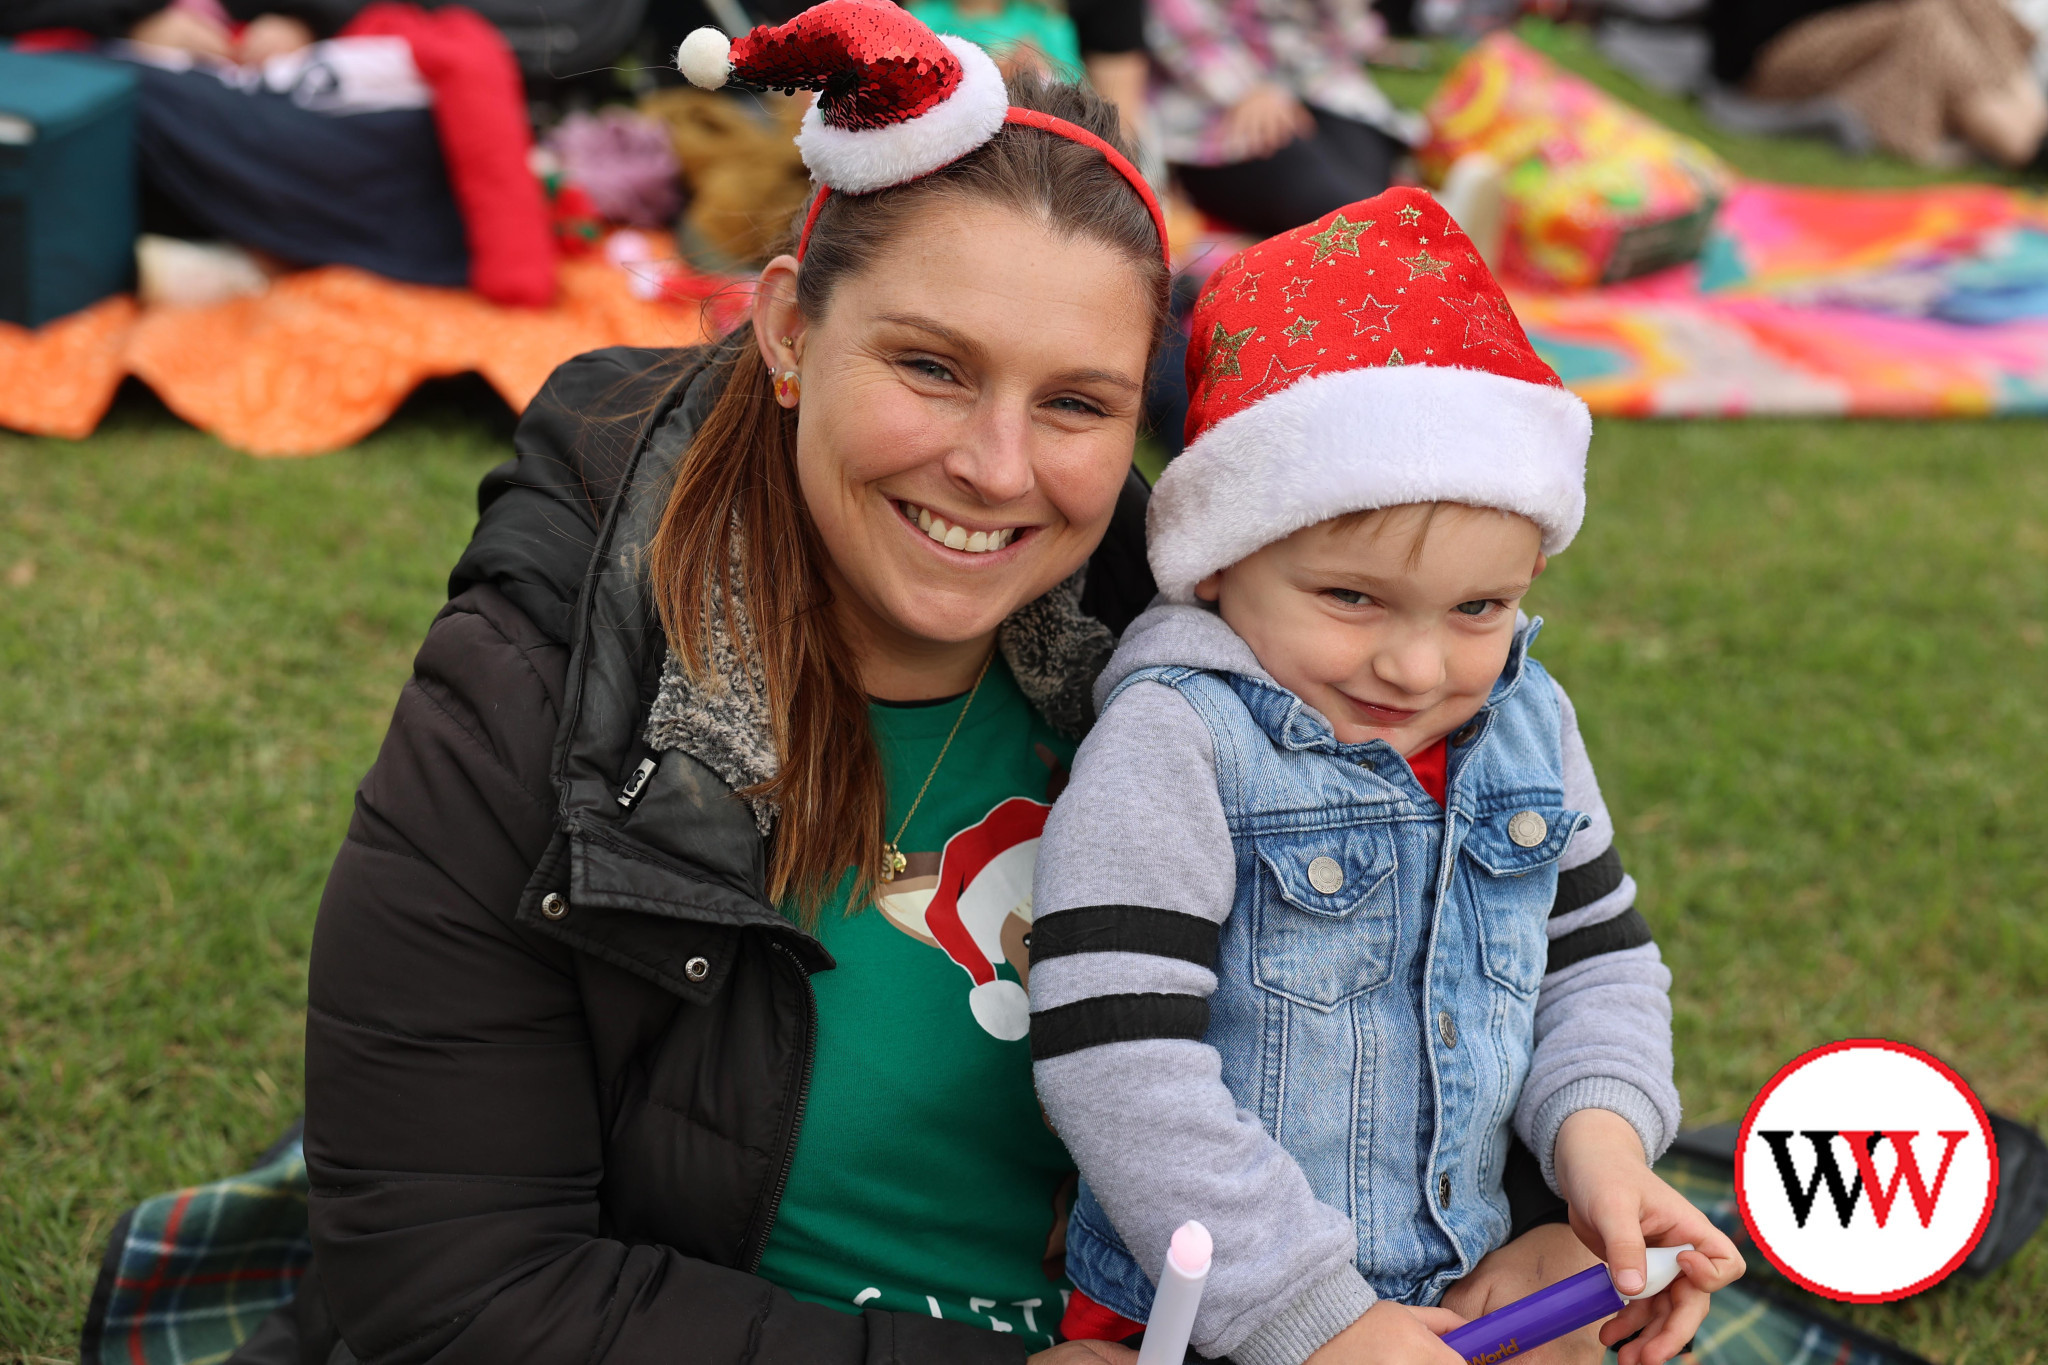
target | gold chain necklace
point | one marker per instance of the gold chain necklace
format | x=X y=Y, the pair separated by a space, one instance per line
x=893 y=860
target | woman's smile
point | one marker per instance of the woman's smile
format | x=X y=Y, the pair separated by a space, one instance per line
x=958 y=535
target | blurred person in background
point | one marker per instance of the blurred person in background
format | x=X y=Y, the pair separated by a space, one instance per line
x=246 y=31
x=1265 y=110
x=1930 y=79
x=1102 y=40
x=1022 y=35
x=1112 y=37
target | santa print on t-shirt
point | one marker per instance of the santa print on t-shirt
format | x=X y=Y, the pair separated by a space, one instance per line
x=972 y=901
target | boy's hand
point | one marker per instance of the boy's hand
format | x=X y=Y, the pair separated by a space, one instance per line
x=1618 y=1205
x=1393 y=1334
x=1536 y=1260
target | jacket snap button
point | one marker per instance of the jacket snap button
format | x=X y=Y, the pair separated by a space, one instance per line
x=1325 y=876
x=1443 y=1190
x=553 y=906
x=1528 y=829
x=696 y=969
x=1447 y=1028
x=1466 y=735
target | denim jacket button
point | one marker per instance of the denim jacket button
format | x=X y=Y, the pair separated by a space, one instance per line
x=1325 y=876
x=1466 y=735
x=1443 y=1190
x=1528 y=829
x=1447 y=1028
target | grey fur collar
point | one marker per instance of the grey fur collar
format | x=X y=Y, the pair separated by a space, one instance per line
x=1053 y=648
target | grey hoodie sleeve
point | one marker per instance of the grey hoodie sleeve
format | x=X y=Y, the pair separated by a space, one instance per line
x=1603 y=1012
x=1135 y=877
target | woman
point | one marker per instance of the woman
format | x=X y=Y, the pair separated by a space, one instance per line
x=561 y=1047
x=1265 y=109
x=665 y=996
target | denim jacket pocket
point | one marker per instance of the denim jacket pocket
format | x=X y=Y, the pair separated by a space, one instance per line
x=1326 y=921
x=1513 y=853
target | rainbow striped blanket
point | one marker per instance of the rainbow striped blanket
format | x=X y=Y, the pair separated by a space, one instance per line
x=1895 y=303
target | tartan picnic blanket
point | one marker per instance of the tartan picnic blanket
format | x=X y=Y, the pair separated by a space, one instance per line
x=1760 y=1320
x=188 y=1275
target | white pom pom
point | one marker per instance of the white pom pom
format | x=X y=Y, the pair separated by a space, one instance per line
x=705 y=58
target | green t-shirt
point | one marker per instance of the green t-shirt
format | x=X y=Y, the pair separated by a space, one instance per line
x=925 y=1177
x=1017 y=22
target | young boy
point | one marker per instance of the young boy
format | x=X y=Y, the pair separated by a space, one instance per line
x=1331 y=905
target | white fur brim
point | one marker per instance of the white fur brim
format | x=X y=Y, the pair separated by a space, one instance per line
x=860 y=161
x=1360 y=439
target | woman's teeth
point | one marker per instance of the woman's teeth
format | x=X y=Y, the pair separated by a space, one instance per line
x=958 y=537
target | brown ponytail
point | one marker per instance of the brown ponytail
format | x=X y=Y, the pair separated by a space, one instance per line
x=736 y=527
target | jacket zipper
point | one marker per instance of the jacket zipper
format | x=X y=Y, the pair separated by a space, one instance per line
x=796 y=1120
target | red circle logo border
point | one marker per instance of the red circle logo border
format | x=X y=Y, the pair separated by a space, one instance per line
x=1851 y=1045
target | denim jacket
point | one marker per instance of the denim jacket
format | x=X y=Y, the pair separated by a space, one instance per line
x=1375 y=980
x=1372 y=931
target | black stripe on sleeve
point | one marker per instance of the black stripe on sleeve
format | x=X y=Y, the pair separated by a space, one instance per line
x=1125 y=929
x=1626 y=930
x=1588 y=882
x=1116 y=1019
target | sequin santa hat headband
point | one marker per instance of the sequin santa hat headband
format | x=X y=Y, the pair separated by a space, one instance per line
x=895 y=100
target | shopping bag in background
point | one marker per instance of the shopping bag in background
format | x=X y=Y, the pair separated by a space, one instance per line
x=1596 y=191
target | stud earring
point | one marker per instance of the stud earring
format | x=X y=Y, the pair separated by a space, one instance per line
x=788 y=388
x=788 y=342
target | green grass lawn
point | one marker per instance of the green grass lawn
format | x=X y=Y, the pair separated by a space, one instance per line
x=1809 y=658
x=198 y=655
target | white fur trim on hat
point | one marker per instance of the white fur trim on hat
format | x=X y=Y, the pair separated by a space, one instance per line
x=862 y=160
x=1366 y=438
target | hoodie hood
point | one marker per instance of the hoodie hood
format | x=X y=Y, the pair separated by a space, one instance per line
x=1175 y=634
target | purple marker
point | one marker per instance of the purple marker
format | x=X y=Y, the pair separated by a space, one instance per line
x=1551 y=1313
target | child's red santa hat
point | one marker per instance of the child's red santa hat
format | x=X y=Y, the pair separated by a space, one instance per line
x=895 y=100
x=1366 y=360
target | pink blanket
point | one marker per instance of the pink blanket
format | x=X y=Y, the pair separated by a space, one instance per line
x=1898 y=303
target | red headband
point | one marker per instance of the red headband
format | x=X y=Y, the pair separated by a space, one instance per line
x=1072 y=132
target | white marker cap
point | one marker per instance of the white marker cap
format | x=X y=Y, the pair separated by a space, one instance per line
x=1191 y=1249
x=1661 y=1271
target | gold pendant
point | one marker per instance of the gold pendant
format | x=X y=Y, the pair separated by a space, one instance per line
x=893 y=862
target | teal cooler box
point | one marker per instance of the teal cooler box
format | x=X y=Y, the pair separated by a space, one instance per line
x=67 y=183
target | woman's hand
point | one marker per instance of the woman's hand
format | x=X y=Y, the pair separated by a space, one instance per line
x=271 y=35
x=186 y=31
x=1617 y=1205
x=1085 y=1353
x=1393 y=1334
x=1264 y=121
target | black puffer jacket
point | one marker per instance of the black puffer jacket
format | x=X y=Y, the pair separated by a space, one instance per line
x=557 y=1048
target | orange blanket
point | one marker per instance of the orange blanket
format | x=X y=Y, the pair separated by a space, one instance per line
x=320 y=360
